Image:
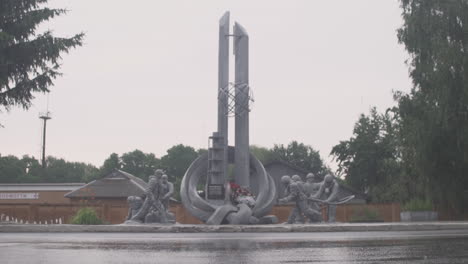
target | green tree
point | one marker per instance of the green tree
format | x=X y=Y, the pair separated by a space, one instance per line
x=369 y=160
x=24 y=170
x=434 y=115
x=11 y=169
x=139 y=164
x=135 y=162
x=29 y=170
x=111 y=163
x=263 y=154
x=60 y=170
x=302 y=156
x=29 y=62
x=176 y=162
x=34 y=171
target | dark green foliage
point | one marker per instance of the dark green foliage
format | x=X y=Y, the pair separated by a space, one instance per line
x=29 y=170
x=263 y=154
x=139 y=164
x=365 y=215
x=59 y=170
x=135 y=162
x=369 y=160
x=86 y=216
x=417 y=204
x=11 y=169
x=302 y=156
x=111 y=163
x=29 y=62
x=176 y=162
x=434 y=115
x=423 y=154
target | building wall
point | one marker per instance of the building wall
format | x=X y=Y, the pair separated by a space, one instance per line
x=115 y=212
x=47 y=197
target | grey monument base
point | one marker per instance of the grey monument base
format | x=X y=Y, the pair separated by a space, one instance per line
x=179 y=228
x=415 y=216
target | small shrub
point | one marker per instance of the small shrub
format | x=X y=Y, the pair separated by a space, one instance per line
x=417 y=205
x=365 y=215
x=86 y=216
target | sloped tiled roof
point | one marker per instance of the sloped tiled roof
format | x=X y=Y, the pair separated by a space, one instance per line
x=118 y=184
x=282 y=162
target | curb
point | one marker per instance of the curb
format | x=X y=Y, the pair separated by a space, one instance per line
x=179 y=228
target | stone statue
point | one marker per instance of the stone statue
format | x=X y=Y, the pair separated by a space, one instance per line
x=168 y=191
x=152 y=209
x=234 y=99
x=134 y=205
x=295 y=216
x=328 y=193
x=298 y=195
x=312 y=185
x=238 y=211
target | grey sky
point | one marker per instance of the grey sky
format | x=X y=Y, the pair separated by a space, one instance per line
x=146 y=77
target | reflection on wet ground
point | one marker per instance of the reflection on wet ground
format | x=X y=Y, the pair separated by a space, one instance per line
x=349 y=247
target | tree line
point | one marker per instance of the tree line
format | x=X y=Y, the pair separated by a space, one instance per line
x=415 y=150
x=419 y=148
x=175 y=163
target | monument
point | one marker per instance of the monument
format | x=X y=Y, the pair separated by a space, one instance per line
x=153 y=207
x=249 y=194
x=309 y=197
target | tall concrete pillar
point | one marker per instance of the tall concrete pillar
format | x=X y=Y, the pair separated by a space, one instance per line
x=242 y=152
x=223 y=82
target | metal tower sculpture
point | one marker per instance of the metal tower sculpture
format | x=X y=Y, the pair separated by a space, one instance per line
x=251 y=194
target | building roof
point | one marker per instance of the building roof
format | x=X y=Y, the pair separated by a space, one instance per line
x=287 y=164
x=117 y=184
x=14 y=187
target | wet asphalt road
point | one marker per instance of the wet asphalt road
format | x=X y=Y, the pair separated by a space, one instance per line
x=327 y=247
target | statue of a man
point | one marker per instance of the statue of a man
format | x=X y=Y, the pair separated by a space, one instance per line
x=312 y=185
x=297 y=194
x=328 y=192
x=134 y=205
x=167 y=191
x=295 y=216
x=152 y=209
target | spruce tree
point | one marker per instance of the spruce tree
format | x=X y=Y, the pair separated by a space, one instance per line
x=29 y=61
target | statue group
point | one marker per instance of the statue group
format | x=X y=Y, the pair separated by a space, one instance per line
x=153 y=207
x=310 y=196
x=248 y=195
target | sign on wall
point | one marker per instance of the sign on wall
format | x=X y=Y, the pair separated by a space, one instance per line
x=19 y=196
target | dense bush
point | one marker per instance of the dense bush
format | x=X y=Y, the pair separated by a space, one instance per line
x=86 y=216
x=365 y=215
x=417 y=205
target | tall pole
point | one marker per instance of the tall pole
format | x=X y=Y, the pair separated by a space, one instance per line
x=223 y=91
x=44 y=118
x=242 y=151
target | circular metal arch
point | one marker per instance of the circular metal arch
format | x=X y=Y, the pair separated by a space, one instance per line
x=202 y=209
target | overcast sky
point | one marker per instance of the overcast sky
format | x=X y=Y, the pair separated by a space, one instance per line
x=146 y=77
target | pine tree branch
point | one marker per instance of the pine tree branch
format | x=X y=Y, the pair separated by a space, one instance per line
x=21 y=27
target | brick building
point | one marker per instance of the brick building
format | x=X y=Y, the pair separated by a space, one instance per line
x=37 y=202
x=36 y=193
